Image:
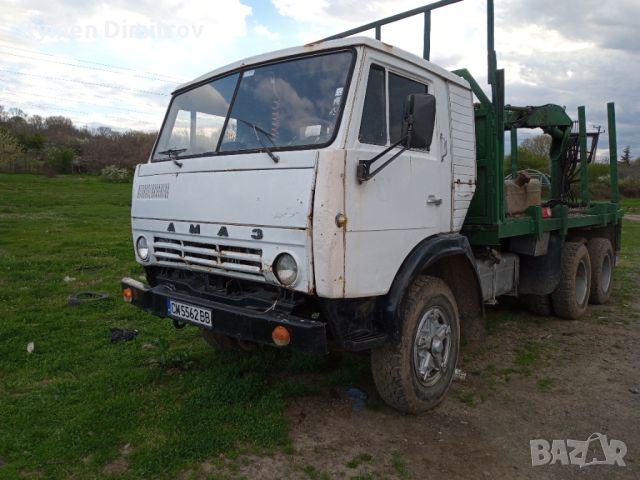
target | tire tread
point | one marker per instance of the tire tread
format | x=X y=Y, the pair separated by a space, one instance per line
x=564 y=296
x=389 y=363
x=598 y=249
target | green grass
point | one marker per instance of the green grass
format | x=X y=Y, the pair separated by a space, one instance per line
x=71 y=406
x=545 y=383
x=627 y=273
x=469 y=399
x=358 y=460
x=314 y=474
x=399 y=465
x=631 y=205
x=526 y=357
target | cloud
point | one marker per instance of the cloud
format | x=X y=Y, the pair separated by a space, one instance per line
x=66 y=60
x=569 y=52
x=583 y=53
x=609 y=24
x=265 y=32
x=573 y=52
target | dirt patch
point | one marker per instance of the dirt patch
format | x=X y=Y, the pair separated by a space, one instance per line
x=31 y=474
x=119 y=466
x=529 y=379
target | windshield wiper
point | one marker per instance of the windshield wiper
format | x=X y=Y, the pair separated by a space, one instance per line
x=173 y=153
x=257 y=129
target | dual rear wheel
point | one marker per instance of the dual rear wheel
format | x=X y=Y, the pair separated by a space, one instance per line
x=586 y=277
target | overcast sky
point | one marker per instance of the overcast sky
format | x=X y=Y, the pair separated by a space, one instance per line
x=115 y=62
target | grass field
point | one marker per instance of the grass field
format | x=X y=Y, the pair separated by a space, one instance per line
x=82 y=407
x=631 y=205
x=144 y=408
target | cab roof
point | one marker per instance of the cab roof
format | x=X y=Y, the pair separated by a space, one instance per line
x=329 y=45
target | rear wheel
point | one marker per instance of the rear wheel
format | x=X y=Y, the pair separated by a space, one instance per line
x=571 y=297
x=414 y=375
x=602 y=262
x=538 y=304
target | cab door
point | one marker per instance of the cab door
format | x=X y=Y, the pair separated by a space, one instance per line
x=406 y=202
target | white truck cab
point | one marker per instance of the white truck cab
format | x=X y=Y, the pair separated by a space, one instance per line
x=278 y=173
x=293 y=198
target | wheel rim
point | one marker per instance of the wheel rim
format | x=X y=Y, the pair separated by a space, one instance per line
x=605 y=273
x=432 y=346
x=582 y=282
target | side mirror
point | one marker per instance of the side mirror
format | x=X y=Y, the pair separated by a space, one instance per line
x=419 y=120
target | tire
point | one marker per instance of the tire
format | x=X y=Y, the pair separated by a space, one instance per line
x=602 y=262
x=223 y=343
x=571 y=297
x=538 y=304
x=395 y=367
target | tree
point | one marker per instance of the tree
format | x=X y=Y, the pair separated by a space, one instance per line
x=539 y=145
x=35 y=141
x=10 y=151
x=626 y=156
x=60 y=159
x=533 y=153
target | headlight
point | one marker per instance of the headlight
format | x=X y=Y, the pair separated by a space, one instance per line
x=142 y=248
x=286 y=269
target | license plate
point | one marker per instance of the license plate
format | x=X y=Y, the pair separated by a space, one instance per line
x=190 y=313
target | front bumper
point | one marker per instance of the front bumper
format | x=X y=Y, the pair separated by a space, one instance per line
x=239 y=322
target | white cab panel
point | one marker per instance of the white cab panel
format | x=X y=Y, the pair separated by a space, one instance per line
x=463 y=145
x=407 y=202
x=328 y=237
x=207 y=190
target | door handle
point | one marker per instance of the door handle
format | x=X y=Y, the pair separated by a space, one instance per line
x=432 y=200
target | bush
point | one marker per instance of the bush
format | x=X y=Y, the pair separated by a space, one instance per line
x=526 y=160
x=629 y=186
x=10 y=152
x=60 y=159
x=599 y=172
x=114 y=174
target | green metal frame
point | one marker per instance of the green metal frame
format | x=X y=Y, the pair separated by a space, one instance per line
x=377 y=25
x=486 y=222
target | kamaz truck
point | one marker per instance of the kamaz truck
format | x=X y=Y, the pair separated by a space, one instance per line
x=349 y=195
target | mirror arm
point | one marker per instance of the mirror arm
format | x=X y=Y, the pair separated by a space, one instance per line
x=364 y=172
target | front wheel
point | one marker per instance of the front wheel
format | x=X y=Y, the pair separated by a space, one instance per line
x=414 y=375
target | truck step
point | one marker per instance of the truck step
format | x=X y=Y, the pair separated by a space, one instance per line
x=364 y=340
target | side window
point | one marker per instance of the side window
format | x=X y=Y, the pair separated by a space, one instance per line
x=373 y=128
x=399 y=88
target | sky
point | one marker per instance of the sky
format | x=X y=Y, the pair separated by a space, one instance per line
x=114 y=63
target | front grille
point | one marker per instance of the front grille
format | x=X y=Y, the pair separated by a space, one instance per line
x=208 y=257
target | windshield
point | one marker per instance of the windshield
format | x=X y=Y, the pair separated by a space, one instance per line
x=290 y=104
